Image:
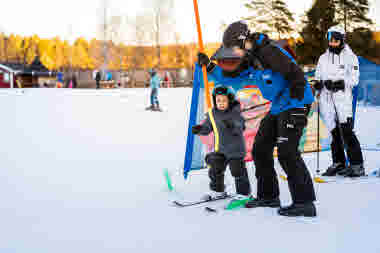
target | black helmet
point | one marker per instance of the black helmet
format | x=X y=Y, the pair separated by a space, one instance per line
x=152 y=71
x=234 y=36
x=222 y=89
x=229 y=56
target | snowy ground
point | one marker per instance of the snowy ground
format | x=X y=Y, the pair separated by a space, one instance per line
x=81 y=171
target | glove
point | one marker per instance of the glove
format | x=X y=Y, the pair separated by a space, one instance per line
x=203 y=60
x=196 y=129
x=339 y=85
x=329 y=85
x=297 y=92
x=318 y=85
x=228 y=123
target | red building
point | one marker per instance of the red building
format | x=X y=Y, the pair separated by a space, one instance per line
x=29 y=75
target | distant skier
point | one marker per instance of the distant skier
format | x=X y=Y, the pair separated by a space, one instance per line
x=254 y=56
x=338 y=72
x=230 y=145
x=155 y=81
x=97 y=79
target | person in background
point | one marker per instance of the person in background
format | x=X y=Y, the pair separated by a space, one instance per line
x=97 y=79
x=155 y=81
x=337 y=73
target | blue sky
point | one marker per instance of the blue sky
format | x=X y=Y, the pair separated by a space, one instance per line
x=72 y=18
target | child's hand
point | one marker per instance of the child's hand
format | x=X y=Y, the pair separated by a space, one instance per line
x=196 y=129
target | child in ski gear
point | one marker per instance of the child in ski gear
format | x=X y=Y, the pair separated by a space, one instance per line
x=154 y=85
x=226 y=122
x=338 y=72
x=282 y=82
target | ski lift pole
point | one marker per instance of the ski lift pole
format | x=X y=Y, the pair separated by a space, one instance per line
x=318 y=132
x=201 y=49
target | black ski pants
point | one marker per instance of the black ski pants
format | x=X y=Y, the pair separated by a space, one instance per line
x=217 y=167
x=354 y=151
x=284 y=131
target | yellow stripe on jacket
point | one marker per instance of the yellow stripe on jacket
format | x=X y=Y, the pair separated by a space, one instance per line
x=215 y=129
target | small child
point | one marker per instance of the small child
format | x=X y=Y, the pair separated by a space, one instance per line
x=229 y=143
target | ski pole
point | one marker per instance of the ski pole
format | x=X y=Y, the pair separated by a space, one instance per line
x=318 y=114
x=201 y=49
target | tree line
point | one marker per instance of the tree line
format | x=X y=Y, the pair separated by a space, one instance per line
x=274 y=17
x=270 y=16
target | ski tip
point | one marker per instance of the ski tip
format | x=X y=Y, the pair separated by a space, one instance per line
x=211 y=210
x=168 y=180
x=176 y=203
x=319 y=180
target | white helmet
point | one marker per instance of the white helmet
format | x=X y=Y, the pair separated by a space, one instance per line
x=337 y=32
x=337 y=29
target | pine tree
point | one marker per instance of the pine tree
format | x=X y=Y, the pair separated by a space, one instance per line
x=317 y=21
x=352 y=13
x=270 y=16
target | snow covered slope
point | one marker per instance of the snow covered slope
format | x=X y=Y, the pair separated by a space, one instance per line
x=81 y=171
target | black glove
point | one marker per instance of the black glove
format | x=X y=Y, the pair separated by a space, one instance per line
x=228 y=123
x=297 y=91
x=196 y=129
x=339 y=85
x=318 y=85
x=203 y=60
x=329 y=85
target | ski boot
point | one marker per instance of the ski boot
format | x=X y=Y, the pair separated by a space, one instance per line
x=263 y=203
x=355 y=171
x=334 y=169
x=157 y=109
x=301 y=209
x=214 y=195
x=150 y=108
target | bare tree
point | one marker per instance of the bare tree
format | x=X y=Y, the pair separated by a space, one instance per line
x=139 y=39
x=104 y=31
x=117 y=34
x=161 y=23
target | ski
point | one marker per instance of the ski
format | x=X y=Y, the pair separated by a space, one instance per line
x=198 y=202
x=232 y=205
x=324 y=179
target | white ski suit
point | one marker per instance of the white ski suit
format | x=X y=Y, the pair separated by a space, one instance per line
x=344 y=66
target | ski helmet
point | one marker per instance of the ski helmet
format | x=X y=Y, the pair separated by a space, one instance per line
x=338 y=34
x=221 y=89
x=228 y=56
x=152 y=71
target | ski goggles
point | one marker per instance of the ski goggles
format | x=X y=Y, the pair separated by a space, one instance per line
x=223 y=90
x=335 y=35
x=230 y=53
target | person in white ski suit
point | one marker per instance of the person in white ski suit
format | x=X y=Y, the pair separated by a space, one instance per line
x=337 y=73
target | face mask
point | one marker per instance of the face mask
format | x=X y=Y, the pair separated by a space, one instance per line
x=336 y=50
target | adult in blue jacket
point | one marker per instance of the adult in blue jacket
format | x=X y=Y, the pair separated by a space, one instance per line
x=282 y=82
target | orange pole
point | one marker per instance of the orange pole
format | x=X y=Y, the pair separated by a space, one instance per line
x=201 y=49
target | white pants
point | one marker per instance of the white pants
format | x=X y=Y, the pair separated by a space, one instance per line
x=343 y=103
